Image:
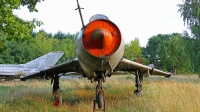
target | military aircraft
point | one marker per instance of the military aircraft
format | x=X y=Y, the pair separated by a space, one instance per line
x=11 y=71
x=99 y=49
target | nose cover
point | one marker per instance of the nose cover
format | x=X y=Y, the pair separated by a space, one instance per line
x=101 y=38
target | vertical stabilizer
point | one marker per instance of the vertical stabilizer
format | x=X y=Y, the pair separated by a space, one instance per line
x=45 y=61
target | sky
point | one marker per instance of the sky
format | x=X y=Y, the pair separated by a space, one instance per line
x=140 y=19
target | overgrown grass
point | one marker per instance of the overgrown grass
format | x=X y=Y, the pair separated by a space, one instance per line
x=160 y=95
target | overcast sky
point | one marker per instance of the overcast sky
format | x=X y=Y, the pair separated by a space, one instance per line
x=135 y=18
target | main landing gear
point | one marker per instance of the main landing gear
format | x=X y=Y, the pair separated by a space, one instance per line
x=138 y=83
x=57 y=97
x=100 y=102
x=99 y=97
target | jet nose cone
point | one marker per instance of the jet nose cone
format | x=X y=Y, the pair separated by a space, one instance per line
x=101 y=38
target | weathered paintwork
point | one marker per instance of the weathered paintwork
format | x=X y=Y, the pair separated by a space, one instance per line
x=36 y=65
x=92 y=63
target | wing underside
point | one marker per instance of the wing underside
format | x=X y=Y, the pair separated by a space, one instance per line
x=127 y=65
x=73 y=67
x=63 y=68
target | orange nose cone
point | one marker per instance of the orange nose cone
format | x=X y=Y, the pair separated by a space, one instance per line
x=101 y=38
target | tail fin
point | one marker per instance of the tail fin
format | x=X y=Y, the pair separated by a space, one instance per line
x=45 y=61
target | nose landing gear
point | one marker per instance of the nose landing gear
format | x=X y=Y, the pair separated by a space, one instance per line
x=99 y=98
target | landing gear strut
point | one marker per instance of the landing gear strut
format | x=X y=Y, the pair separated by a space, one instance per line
x=138 y=83
x=99 y=97
x=57 y=97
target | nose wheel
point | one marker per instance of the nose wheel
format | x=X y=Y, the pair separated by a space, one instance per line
x=99 y=98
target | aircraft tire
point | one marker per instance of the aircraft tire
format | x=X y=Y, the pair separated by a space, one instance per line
x=100 y=100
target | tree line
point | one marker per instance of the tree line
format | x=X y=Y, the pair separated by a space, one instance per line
x=17 y=52
x=179 y=53
x=172 y=52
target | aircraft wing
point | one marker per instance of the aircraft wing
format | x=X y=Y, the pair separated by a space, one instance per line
x=127 y=65
x=63 y=68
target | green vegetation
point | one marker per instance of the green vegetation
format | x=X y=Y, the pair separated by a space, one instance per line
x=189 y=10
x=41 y=43
x=175 y=94
x=169 y=52
x=178 y=53
x=11 y=25
x=172 y=52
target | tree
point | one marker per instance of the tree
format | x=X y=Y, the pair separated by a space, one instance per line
x=23 y=51
x=190 y=49
x=173 y=54
x=152 y=49
x=2 y=42
x=190 y=11
x=134 y=52
x=13 y=27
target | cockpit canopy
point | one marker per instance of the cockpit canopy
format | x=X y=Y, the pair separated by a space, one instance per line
x=98 y=16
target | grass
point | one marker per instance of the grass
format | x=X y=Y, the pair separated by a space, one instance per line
x=180 y=94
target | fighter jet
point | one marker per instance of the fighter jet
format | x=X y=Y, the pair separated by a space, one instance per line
x=99 y=49
x=11 y=71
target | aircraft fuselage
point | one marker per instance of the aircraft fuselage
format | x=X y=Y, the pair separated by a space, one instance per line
x=99 y=48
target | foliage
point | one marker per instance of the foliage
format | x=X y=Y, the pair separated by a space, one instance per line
x=134 y=52
x=173 y=52
x=190 y=11
x=180 y=47
x=24 y=51
x=174 y=55
x=13 y=26
x=2 y=42
x=179 y=52
x=152 y=49
x=132 y=49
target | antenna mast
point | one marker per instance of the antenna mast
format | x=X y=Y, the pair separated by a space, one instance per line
x=79 y=9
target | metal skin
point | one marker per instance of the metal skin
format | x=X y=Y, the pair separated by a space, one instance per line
x=6 y=70
x=36 y=65
x=94 y=66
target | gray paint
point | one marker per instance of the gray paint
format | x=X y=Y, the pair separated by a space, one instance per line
x=90 y=63
x=41 y=63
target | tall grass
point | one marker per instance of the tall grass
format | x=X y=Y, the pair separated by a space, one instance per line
x=160 y=95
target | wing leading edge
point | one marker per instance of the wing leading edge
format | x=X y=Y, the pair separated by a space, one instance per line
x=66 y=67
x=127 y=65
